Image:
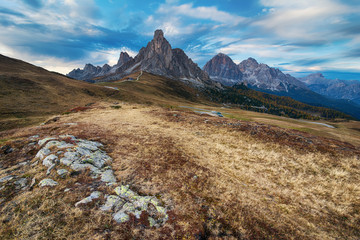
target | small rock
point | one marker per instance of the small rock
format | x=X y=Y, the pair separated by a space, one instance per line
x=21 y=183
x=35 y=163
x=22 y=163
x=43 y=141
x=7 y=149
x=121 y=217
x=93 y=195
x=152 y=221
x=67 y=189
x=47 y=182
x=50 y=160
x=80 y=167
x=69 y=158
x=33 y=182
x=7 y=178
x=43 y=153
x=112 y=202
x=108 y=177
x=34 y=137
x=49 y=169
x=62 y=172
x=125 y=192
x=67 y=136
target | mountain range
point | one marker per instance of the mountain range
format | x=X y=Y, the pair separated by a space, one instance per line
x=334 y=88
x=159 y=58
x=266 y=79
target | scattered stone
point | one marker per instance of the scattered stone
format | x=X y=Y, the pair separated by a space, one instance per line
x=50 y=160
x=47 y=182
x=49 y=169
x=67 y=189
x=35 y=163
x=121 y=217
x=62 y=172
x=69 y=158
x=125 y=192
x=22 y=163
x=93 y=195
x=70 y=124
x=108 y=177
x=7 y=149
x=33 y=182
x=21 y=183
x=43 y=153
x=152 y=221
x=34 y=137
x=7 y=178
x=45 y=140
x=112 y=203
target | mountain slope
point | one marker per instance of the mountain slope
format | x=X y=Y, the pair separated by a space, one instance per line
x=30 y=91
x=334 y=88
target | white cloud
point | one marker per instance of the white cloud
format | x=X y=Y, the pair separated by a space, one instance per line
x=206 y=13
x=305 y=19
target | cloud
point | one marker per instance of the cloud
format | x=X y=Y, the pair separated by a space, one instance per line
x=207 y=13
x=303 y=20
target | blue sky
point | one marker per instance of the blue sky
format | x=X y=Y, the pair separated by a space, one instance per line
x=297 y=36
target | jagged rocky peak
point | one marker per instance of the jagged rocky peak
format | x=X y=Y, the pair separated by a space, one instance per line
x=248 y=63
x=124 y=58
x=222 y=68
x=158 y=49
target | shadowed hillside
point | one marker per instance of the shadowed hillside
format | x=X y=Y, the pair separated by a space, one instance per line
x=30 y=94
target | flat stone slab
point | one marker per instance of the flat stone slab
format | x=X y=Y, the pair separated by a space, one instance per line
x=47 y=182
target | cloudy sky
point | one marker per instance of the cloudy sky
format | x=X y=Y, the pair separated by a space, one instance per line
x=297 y=36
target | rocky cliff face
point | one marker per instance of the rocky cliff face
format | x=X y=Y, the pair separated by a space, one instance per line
x=124 y=58
x=221 y=68
x=264 y=77
x=334 y=88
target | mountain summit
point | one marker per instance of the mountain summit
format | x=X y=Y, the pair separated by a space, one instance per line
x=159 y=58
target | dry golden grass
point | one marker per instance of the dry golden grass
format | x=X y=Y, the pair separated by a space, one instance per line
x=220 y=182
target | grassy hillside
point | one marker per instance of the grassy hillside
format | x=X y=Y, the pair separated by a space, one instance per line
x=29 y=94
x=219 y=178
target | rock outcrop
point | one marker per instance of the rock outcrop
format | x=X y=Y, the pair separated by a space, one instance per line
x=79 y=155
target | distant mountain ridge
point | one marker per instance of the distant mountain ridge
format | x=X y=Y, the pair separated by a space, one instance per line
x=221 y=68
x=263 y=78
x=90 y=72
x=334 y=88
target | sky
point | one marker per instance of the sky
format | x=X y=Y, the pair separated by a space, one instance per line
x=297 y=36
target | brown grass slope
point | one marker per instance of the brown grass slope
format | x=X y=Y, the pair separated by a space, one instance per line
x=29 y=94
x=221 y=179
